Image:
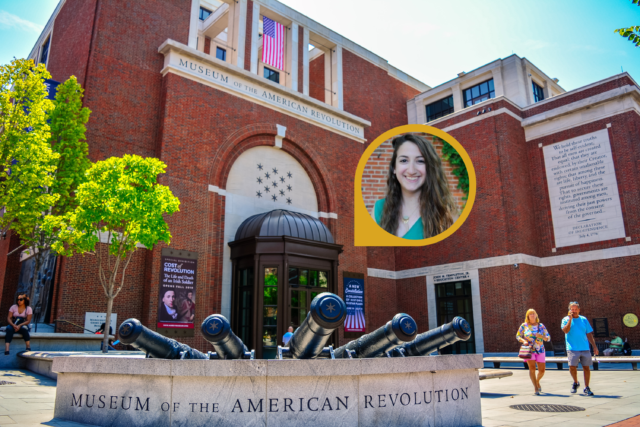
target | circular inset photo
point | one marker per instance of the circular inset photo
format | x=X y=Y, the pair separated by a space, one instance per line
x=415 y=185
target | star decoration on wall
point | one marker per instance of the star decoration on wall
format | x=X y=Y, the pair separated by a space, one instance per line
x=266 y=188
x=259 y=166
x=288 y=200
x=274 y=184
x=259 y=180
x=282 y=192
x=289 y=187
x=259 y=194
x=266 y=175
x=282 y=179
x=274 y=198
x=275 y=171
x=289 y=175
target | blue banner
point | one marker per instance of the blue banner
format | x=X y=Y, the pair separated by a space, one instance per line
x=354 y=299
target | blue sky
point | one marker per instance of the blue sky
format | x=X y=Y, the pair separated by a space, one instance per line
x=434 y=40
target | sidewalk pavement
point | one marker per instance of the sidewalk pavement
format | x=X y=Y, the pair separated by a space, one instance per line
x=30 y=401
x=617 y=398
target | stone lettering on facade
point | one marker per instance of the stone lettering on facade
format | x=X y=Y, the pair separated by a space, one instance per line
x=250 y=89
x=583 y=191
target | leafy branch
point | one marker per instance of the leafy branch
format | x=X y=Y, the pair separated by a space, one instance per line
x=632 y=33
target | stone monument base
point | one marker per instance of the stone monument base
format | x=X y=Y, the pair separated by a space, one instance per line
x=415 y=391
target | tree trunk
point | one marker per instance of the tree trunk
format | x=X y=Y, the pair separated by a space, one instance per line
x=34 y=282
x=107 y=322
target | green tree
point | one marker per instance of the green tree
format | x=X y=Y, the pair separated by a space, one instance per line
x=67 y=138
x=27 y=161
x=123 y=203
x=631 y=33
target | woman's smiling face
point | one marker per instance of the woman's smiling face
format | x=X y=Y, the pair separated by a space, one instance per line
x=410 y=168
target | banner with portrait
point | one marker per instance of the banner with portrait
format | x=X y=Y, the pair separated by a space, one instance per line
x=177 y=293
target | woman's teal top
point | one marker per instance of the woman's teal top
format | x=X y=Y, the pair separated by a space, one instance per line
x=415 y=233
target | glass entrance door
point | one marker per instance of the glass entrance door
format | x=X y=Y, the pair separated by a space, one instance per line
x=454 y=299
x=270 y=313
x=304 y=286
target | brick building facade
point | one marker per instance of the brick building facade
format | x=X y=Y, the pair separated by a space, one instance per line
x=164 y=79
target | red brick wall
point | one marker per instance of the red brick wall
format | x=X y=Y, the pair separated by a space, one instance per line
x=606 y=288
x=9 y=273
x=71 y=40
x=374 y=177
x=207 y=45
x=247 y=40
x=412 y=299
x=316 y=78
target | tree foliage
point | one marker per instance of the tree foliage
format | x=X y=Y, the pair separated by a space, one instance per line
x=27 y=162
x=632 y=33
x=123 y=203
x=67 y=121
x=459 y=168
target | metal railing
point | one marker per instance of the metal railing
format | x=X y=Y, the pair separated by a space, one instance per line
x=58 y=326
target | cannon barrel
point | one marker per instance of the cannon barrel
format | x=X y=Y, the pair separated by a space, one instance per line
x=133 y=333
x=327 y=313
x=435 y=339
x=402 y=328
x=217 y=330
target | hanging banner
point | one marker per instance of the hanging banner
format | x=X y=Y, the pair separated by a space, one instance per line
x=354 y=299
x=177 y=296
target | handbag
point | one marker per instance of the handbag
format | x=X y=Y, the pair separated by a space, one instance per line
x=525 y=352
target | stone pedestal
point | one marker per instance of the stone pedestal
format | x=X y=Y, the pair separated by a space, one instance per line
x=416 y=391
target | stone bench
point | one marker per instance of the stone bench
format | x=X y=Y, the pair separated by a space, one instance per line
x=48 y=342
x=559 y=361
x=40 y=362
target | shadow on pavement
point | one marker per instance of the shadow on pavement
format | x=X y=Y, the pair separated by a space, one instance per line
x=495 y=395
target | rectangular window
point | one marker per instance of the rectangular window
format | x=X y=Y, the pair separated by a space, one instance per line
x=538 y=93
x=454 y=299
x=269 y=74
x=44 y=55
x=440 y=108
x=270 y=313
x=221 y=54
x=479 y=93
x=204 y=13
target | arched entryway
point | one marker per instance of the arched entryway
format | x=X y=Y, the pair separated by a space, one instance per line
x=281 y=261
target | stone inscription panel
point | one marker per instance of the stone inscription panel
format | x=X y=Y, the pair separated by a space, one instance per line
x=416 y=399
x=583 y=191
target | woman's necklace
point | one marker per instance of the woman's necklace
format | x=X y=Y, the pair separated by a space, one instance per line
x=405 y=219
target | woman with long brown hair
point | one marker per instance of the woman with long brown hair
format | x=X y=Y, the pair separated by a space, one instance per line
x=418 y=203
x=19 y=317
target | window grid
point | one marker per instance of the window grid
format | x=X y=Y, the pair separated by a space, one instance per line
x=479 y=93
x=439 y=108
x=204 y=13
x=538 y=93
x=269 y=74
x=221 y=54
x=45 y=52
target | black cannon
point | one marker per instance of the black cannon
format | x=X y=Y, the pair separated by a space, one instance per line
x=133 y=333
x=435 y=339
x=327 y=313
x=217 y=330
x=401 y=329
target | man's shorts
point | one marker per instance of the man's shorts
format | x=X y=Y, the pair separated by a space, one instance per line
x=584 y=357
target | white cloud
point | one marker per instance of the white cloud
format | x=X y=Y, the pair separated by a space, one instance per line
x=8 y=20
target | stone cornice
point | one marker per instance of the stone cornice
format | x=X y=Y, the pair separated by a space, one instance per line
x=334 y=119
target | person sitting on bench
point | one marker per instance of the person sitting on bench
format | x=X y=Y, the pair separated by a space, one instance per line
x=615 y=346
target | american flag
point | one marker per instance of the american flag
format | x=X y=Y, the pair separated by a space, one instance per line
x=272 y=43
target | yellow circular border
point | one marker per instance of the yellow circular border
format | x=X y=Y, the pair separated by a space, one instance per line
x=367 y=232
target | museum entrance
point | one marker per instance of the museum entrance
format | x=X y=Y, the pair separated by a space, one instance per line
x=454 y=299
x=296 y=260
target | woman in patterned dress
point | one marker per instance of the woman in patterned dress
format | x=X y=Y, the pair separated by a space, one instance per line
x=533 y=333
